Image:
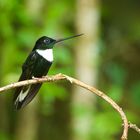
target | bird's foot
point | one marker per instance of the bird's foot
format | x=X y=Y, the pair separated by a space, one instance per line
x=69 y=79
x=35 y=78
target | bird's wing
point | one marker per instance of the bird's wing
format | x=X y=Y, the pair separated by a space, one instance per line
x=24 y=94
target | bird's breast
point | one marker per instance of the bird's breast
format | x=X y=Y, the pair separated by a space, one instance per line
x=46 y=54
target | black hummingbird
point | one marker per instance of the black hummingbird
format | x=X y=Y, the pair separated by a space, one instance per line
x=36 y=65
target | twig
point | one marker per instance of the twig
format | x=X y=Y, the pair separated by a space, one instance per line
x=83 y=85
x=134 y=126
x=106 y=98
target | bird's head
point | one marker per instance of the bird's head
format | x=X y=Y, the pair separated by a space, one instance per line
x=45 y=42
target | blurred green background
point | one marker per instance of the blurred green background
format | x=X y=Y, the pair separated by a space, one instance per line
x=107 y=57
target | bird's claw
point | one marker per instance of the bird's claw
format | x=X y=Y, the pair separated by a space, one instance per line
x=35 y=78
x=69 y=79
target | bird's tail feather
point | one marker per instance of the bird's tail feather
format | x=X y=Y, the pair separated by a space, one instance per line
x=25 y=94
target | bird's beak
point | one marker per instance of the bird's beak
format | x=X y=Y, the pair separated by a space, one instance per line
x=59 y=40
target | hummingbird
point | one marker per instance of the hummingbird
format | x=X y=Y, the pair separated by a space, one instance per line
x=36 y=65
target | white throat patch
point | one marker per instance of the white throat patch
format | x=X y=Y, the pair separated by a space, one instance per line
x=47 y=54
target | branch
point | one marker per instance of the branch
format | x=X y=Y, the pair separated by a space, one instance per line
x=83 y=85
x=134 y=126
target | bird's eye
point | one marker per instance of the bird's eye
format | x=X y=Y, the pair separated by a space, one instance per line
x=47 y=41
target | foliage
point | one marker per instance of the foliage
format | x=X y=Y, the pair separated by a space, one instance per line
x=23 y=22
